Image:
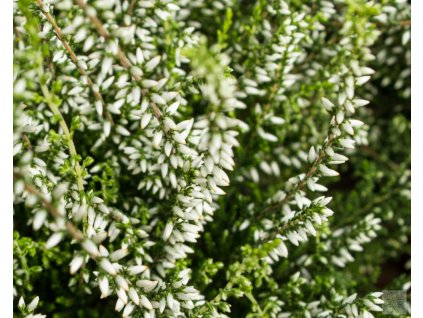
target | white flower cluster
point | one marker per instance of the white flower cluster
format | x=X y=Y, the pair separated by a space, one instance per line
x=152 y=144
x=341 y=135
x=167 y=122
x=395 y=17
x=28 y=310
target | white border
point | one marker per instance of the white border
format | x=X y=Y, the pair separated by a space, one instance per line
x=6 y=145
x=417 y=158
x=6 y=157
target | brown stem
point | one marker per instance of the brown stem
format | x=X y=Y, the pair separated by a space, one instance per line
x=373 y=154
x=74 y=58
x=73 y=231
x=120 y=54
x=405 y=22
x=371 y=204
x=131 y=7
x=300 y=184
x=27 y=141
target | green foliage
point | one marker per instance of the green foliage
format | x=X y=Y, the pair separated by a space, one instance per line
x=211 y=158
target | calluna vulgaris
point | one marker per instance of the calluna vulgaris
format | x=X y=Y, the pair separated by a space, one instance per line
x=226 y=158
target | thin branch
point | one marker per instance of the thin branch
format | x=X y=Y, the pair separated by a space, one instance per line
x=405 y=22
x=131 y=7
x=354 y=215
x=217 y=298
x=300 y=185
x=250 y=296
x=73 y=231
x=27 y=141
x=120 y=54
x=74 y=58
x=376 y=156
x=22 y=258
x=64 y=126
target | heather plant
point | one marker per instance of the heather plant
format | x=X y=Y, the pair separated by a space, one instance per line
x=227 y=158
